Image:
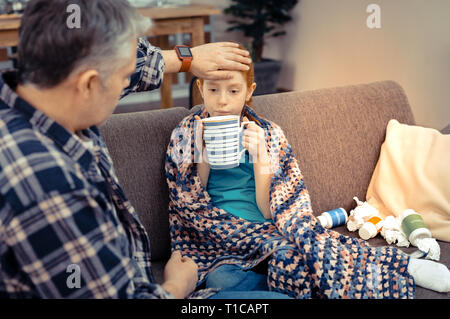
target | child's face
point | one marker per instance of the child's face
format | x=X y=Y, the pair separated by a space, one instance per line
x=226 y=97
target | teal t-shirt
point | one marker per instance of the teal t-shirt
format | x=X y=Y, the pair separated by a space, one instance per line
x=233 y=190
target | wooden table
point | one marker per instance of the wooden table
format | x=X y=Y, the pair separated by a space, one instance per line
x=167 y=21
x=9 y=30
x=183 y=19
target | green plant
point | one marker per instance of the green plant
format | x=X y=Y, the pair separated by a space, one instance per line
x=259 y=19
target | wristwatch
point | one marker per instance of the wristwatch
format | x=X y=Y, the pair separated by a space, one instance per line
x=185 y=55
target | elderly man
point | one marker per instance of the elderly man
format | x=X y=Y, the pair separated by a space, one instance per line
x=67 y=229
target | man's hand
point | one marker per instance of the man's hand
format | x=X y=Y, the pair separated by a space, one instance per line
x=180 y=275
x=212 y=61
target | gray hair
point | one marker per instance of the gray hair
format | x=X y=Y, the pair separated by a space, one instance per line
x=108 y=56
x=49 y=51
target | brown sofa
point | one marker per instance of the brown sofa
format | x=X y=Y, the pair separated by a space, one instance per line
x=336 y=135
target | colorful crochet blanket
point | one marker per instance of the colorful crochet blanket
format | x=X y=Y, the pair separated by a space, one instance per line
x=305 y=260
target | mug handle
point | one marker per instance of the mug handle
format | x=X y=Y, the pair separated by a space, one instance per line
x=240 y=131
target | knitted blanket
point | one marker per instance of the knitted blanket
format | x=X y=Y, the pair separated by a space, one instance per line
x=305 y=260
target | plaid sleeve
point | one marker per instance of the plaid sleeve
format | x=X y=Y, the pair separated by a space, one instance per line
x=149 y=71
x=68 y=246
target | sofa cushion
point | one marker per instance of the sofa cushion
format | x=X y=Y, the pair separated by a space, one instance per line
x=336 y=135
x=137 y=143
x=412 y=173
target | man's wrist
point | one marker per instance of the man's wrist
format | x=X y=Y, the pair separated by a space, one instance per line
x=173 y=288
x=172 y=63
x=184 y=54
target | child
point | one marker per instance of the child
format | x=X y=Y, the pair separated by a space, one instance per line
x=222 y=219
x=243 y=190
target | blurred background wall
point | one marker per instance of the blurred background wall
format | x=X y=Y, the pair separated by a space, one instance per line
x=329 y=44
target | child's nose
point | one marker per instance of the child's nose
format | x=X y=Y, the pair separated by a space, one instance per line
x=223 y=98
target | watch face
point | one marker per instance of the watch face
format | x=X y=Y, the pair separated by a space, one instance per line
x=185 y=52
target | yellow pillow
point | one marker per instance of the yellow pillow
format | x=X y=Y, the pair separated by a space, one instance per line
x=413 y=171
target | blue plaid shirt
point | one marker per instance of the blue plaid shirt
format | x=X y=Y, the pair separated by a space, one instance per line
x=67 y=229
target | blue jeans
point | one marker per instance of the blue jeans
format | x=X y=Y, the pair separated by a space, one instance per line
x=236 y=283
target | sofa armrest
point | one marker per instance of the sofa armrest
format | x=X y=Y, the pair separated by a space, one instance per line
x=446 y=130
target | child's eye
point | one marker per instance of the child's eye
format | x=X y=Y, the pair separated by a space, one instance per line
x=213 y=90
x=234 y=91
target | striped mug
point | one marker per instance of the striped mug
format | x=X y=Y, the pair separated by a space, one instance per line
x=222 y=139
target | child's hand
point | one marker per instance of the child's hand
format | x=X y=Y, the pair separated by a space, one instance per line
x=199 y=142
x=198 y=134
x=200 y=154
x=254 y=141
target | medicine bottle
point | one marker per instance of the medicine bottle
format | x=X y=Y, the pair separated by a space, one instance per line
x=333 y=218
x=371 y=228
x=413 y=226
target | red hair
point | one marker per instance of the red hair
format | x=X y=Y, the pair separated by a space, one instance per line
x=249 y=75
